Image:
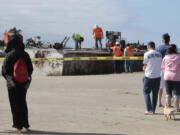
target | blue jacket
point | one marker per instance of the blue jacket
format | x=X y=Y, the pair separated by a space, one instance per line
x=162 y=49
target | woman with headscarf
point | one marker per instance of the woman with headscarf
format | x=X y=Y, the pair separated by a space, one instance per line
x=17 y=62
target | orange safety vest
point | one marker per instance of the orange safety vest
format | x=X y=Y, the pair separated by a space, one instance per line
x=117 y=51
x=129 y=51
x=97 y=32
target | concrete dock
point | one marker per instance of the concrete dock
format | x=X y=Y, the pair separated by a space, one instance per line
x=58 y=68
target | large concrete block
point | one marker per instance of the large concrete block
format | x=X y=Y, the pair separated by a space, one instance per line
x=48 y=68
x=93 y=67
x=58 y=68
x=86 y=67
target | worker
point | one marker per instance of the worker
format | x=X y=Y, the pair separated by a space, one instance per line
x=98 y=35
x=78 y=39
x=117 y=51
x=128 y=65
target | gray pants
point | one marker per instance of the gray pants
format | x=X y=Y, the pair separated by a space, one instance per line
x=96 y=42
x=77 y=44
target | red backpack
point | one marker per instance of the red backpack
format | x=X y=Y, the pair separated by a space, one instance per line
x=20 y=74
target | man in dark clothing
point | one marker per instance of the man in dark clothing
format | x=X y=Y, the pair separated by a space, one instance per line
x=17 y=91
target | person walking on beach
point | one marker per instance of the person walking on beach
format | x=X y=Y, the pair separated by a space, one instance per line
x=78 y=39
x=171 y=69
x=151 y=82
x=98 y=35
x=128 y=65
x=117 y=51
x=162 y=49
x=17 y=70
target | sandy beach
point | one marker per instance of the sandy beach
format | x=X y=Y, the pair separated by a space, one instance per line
x=89 y=105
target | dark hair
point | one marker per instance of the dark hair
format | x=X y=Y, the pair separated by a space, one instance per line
x=152 y=44
x=172 y=49
x=123 y=43
x=15 y=42
x=166 y=38
x=127 y=45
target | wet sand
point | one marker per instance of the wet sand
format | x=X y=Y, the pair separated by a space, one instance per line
x=90 y=105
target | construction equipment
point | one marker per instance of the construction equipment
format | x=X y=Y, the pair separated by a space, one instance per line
x=34 y=42
x=112 y=37
x=62 y=44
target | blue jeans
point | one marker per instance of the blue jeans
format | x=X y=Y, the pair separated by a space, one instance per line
x=117 y=66
x=96 y=42
x=172 y=86
x=128 y=66
x=151 y=85
x=77 y=46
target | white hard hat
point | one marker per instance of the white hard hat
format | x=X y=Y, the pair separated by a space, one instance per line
x=117 y=42
x=96 y=26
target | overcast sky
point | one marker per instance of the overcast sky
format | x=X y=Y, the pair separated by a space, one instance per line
x=142 y=20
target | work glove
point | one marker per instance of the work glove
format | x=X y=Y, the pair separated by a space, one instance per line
x=10 y=81
x=28 y=83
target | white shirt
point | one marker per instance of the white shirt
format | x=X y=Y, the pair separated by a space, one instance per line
x=125 y=52
x=153 y=60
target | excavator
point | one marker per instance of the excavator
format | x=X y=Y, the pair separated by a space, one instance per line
x=112 y=37
x=34 y=42
x=62 y=44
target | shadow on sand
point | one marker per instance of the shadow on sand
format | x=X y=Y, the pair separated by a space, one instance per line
x=38 y=132
x=177 y=119
x=158 y=114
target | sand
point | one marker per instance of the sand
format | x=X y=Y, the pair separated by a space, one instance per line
x=75 y=105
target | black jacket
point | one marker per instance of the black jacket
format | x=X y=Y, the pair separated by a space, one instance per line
x=15 y=50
